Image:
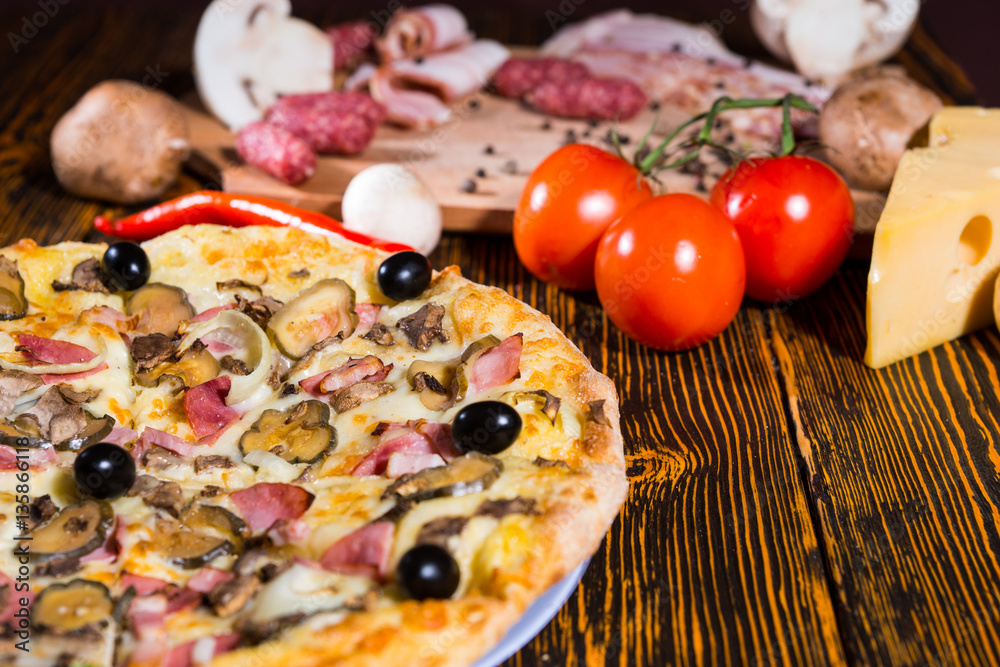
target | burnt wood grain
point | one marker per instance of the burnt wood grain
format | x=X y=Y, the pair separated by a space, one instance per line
x=788 y=505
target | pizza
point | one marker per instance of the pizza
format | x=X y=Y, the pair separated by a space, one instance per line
x=231 y=447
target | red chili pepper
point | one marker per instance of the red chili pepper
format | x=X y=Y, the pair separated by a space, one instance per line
x=222 y=208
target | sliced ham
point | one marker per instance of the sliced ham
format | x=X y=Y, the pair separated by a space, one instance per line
x=206 y=315
x=151 y=437
x=418 y=438
x=181 y=599
x=13 y=598
x=365 y=552
x=121 y=435
x=402 y=463
x=263 y=504
x=110 y=317
x=205 y=406
x=143 y=585
x=367 y=314
x=146 y=614
x=51 y=351
x=49 y=378
x=108 y=552
x=37 y=457
x=422 y=30
x=189 y=654
x=498 y=365
x=439 y=436
x=289 y=531
x=408 y=443
x=208 y=578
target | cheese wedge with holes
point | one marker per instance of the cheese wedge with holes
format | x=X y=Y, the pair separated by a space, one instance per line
x=937 y=245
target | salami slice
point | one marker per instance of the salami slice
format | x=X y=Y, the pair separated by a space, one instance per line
x=335 y=123
x=277 y=152
x=352 y=43
x=518 y=76
x=600 y=99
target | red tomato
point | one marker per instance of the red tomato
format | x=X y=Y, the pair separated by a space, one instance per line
x=795 y=217
x=670 y=273
x=567 y=203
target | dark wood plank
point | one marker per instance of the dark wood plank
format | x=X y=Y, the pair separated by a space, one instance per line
x=903 y=467
x=714 y=560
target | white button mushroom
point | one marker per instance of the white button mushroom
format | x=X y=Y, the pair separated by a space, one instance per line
x=249 y=52
x=390 y=202
x=827 y=40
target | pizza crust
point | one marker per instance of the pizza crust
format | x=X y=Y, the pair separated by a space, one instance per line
x=524 y=555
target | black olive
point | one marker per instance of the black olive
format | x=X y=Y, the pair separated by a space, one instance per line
x=488 y=427
x=128 y=264
x=404 y=275
x=428 y=571
x=104 y=471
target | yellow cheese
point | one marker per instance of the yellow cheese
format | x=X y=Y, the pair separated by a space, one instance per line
x=934 y=262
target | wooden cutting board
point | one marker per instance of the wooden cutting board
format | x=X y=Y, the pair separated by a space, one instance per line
x=503 y=138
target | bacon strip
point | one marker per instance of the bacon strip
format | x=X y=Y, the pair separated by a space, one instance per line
x=366 y=369
x=422 y=30
x=205 y=406
x=498 y=365
x=264 y=503
x=454 y=74
x=414 y=93
x=365 y=552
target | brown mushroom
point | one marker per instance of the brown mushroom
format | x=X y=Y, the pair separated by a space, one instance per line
x=870 y=121
x=299 y=434
x=379 y=334
x=160 y=308
x=59 y=414
x=158 y=493
x=150 y=350
x=87 y=276
x=13 y=303
x=423 y=327
x=351 y=397
x=325 y=310
x=122 y=142
x=13 y=384
x=211 y=462
x=228 y=597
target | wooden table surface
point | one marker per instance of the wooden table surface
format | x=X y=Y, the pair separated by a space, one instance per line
x=788 y=504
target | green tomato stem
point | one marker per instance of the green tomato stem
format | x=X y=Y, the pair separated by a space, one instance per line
x=704 y=136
